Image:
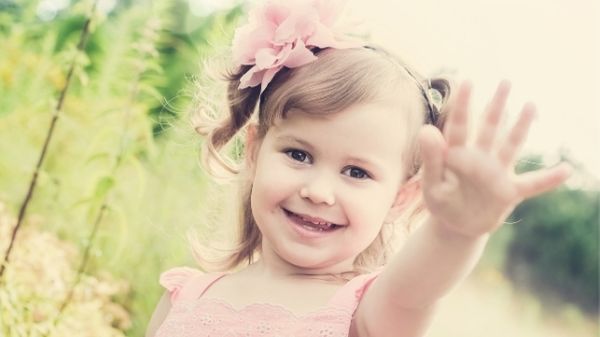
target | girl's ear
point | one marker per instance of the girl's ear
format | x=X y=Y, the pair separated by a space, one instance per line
x=406 y=194
x=252 y=145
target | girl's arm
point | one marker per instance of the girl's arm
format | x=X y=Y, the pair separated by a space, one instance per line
x=469 y=189
x=403 y=298
x=160 y=312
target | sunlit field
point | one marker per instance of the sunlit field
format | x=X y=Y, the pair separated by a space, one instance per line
x=487 y=304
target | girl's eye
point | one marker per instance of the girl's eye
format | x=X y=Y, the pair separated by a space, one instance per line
x=298 y=155
x=357 y=173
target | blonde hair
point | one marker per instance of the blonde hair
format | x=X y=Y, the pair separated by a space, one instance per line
x=337 y=80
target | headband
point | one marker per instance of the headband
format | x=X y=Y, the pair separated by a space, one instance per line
x=285 y=33
x=428 y=92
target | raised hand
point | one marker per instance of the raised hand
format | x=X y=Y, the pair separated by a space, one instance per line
x=469 y=184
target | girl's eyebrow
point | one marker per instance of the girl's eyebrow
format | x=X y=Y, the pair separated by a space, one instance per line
x=294 y=140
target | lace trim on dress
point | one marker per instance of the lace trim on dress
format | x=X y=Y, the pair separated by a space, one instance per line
x=192 y=315
x=213 y=317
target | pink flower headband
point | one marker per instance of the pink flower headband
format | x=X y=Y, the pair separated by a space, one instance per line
x=282 y=33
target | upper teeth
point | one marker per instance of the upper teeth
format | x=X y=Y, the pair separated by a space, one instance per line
x=316 y=222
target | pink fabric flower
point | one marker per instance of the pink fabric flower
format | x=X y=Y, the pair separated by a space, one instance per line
x=281 y=34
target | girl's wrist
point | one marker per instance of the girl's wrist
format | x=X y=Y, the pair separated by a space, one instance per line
x=448 y=232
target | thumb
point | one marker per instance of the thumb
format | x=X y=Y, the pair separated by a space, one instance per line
x=433 y=152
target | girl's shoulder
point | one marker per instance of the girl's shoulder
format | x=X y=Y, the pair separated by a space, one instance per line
x=350 y=294
x=179 y=283
x=184 y=283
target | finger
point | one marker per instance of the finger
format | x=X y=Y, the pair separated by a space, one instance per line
x=493 y=115
x=457 y=127
x=533 y=183
x=433 y=147
x=515 y=139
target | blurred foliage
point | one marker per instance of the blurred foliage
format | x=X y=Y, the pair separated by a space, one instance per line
x=185 y=38
x=41 y=273
x=554 y=245
x=132 y=80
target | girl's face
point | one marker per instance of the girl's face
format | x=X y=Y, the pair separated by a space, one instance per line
x=324 y=185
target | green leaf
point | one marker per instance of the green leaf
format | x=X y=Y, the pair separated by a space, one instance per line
x=103 y=187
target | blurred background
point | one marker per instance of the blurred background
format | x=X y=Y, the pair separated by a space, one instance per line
x=120 y=185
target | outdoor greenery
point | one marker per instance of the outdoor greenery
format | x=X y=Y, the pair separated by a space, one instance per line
x=554 y=250
x=120 y=181
x=120 y=185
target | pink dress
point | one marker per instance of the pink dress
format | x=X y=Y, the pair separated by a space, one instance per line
x=192 y=315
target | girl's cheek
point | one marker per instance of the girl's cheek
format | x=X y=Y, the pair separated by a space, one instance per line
x=367 y=203
x=281 y=179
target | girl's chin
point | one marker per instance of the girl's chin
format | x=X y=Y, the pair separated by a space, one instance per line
x=316 y=265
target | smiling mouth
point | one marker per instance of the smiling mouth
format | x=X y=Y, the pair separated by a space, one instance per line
x=312 y=224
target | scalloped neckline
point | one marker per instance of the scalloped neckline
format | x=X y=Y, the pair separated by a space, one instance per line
x=328 y=307
x=271 y=307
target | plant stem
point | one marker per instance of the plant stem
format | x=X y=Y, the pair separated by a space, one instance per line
x=134 y=92
x=56 y=113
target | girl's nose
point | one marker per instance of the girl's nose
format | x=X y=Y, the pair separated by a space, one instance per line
x=318 y=191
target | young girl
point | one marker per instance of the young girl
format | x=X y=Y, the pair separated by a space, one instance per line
x=346 y=141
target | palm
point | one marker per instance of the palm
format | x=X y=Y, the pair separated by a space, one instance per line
x=470 y=186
